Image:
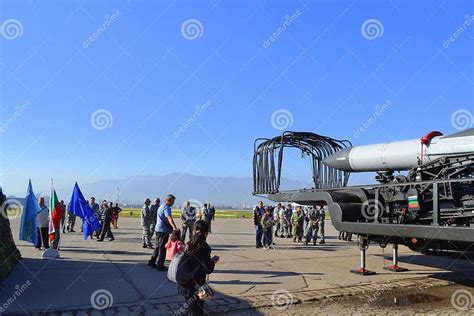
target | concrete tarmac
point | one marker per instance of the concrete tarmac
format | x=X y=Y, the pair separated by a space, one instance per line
x=113 y=277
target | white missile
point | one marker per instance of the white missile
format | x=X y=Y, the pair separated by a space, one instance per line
x=402 y=155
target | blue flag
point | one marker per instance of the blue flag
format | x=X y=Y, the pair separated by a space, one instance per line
x=80 y=207
x=28 y=228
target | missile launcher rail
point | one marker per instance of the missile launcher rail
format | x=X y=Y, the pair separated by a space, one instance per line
x=268 y=159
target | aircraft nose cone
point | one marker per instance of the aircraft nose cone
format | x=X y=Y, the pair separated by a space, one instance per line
x=339 y=160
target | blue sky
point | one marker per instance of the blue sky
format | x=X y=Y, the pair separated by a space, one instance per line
x=148 y=77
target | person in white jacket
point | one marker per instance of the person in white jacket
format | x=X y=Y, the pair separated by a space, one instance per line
x=42 y=222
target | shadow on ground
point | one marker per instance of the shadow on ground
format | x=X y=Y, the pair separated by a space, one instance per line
x=49 y=286
x=267 y=273
x=455 y=264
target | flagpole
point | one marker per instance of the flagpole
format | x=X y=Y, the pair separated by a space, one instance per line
x=50 y=197
x=51 y=223
x=61 y=228
x=51 y=253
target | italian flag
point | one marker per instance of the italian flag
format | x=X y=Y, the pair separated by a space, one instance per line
x=55 y=215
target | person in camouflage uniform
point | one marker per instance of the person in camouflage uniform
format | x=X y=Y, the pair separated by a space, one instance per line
x=297 y=221
x=188 y=218
x=284 y=223
x=154 y=215
x=321 y=213
x=146 y=222
x=71 y=221
x=312 y=226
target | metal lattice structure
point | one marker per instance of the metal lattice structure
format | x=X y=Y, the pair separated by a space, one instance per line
x=268 y=157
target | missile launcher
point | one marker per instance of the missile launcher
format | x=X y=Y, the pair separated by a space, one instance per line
x=430 y=208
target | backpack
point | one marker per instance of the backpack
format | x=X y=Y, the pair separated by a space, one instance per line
x=180 y=270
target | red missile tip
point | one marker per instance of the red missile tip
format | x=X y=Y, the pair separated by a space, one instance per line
x=428 y=137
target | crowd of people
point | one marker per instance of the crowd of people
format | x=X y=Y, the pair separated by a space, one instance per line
x=303 y=224
x=189 y=214
x=107 y=214
x=157 y=220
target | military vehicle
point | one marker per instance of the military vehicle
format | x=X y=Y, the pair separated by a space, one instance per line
x=424 y=198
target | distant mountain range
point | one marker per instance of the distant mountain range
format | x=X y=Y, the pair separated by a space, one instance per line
x=220 y=191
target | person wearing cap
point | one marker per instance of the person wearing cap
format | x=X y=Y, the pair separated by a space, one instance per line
x=164 y=226
x=154 y=211
x=146 y=222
